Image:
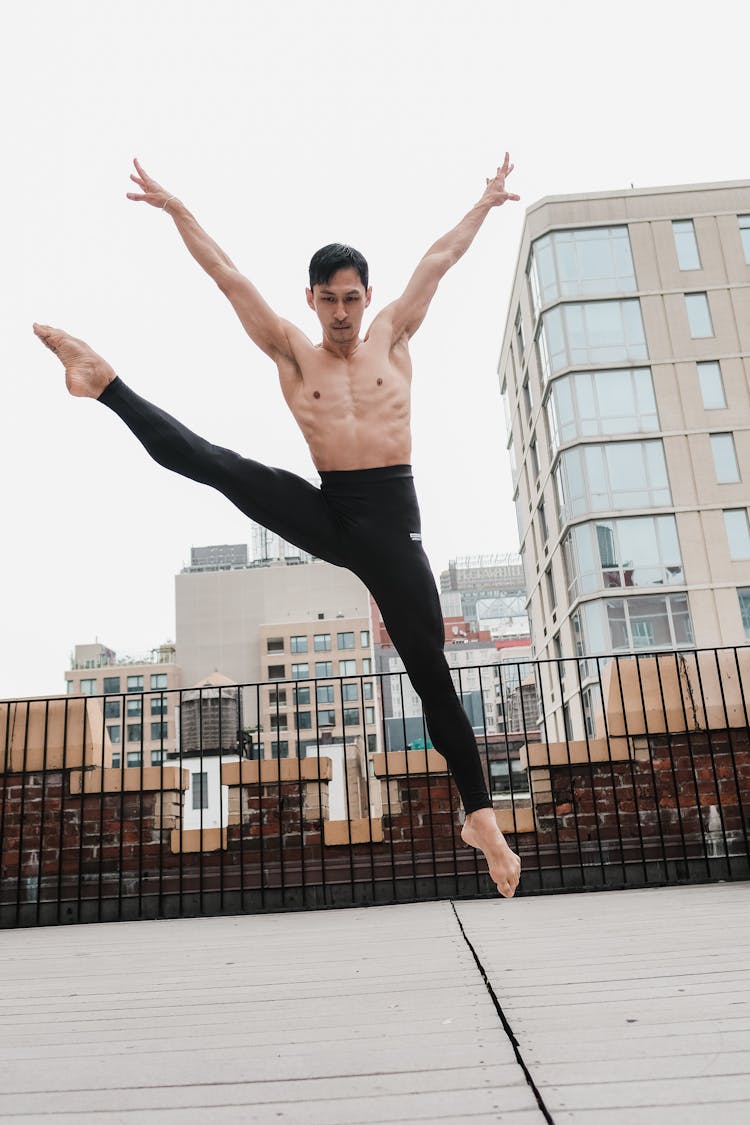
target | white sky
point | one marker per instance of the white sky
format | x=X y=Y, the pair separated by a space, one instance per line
x=284 y=125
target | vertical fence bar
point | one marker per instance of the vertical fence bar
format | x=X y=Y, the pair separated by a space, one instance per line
x=591 y=768
x=652 y=769
x=42 y=812
x=712 y=757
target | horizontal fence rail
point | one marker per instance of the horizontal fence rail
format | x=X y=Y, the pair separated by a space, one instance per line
x=614 y=771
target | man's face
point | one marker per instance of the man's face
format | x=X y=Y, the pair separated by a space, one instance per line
x=340 y=304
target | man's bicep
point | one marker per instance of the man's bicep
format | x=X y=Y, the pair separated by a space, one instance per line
x=264 y=326
x=410 y=309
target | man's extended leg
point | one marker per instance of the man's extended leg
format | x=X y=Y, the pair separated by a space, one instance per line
x=410 y=607
x=382 y=544
x=278 y=500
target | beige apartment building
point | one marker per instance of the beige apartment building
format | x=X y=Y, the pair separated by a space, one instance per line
x=325 y=693
x=221 y=607
x=140 y=705
x=625 y=377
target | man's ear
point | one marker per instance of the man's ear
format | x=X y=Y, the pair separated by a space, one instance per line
x=368 y=296
x=310 y=298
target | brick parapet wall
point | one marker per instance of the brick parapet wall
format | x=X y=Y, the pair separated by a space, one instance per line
x=78 y=835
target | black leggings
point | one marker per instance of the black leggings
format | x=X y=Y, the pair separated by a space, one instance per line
x=365 y=519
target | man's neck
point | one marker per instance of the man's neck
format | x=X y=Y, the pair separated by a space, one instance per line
x=341 y=350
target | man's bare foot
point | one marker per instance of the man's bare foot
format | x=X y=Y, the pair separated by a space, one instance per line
x=480 y=831
x=86 y=373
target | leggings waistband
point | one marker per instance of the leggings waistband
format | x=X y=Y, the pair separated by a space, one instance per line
x=343 y=477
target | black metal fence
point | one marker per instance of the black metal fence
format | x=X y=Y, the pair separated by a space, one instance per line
x=293 y=794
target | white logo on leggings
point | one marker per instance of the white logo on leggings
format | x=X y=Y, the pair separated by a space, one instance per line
x=415 y=537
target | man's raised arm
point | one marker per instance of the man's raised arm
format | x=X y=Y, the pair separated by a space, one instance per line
x=264 y=327
x=407 y=313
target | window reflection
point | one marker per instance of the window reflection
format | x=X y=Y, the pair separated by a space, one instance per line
x=615 y=476
x=588 y=403
x=634 y=551
x=594 y=332
x=580 y=263
x=628 y=624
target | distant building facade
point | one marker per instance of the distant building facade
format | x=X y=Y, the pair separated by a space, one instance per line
x=140 y=701
x=489 y=591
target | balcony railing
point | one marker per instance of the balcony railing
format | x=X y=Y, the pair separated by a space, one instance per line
x=624 y=771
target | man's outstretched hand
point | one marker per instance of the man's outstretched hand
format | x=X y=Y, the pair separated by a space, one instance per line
x=495 y=193
x=151 y=192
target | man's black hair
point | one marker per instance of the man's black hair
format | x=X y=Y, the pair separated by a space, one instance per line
x=336 y=256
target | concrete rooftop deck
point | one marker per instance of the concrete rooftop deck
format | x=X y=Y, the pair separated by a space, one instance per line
x=629 y=1007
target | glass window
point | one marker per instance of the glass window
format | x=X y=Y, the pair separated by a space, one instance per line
x=301 y=696
x=326 y=718
x=114 y=732
x=323 y=668
x=303 y=720
x=712 y=388
x=351 y=716
x=725 y=459
x=686 y=245
x=88 y=687
x=628 y=624
x=738 y=533
x=634 y=551
x=69 y=687
x=280 y=749
x=350 y=693
x=115 y=761
x=699 y=315
x=322 y=642
x=367 y=666
x=589 y=403
x=199 y=787
x=744 y=223
x=158 y=680
x=159 y=706
x=279 y=722
x=298 y=644
x=519 y=333
x=157 y=757
x=276 y=671
x=159 y=731
x=543 y=521
x=364 y=638
x=367 y=690
x=369 y=715
x=345 y=640
x=347 y=667
x=589 y=262
x=275 y=644
x=743 y=596
x=618 y=475
x=134 y=732
x=135 y=758
x=551 y=595
x=135 y=683
x=133 y=707
x=595 y=332
x=112 y=709
x=527 y=400
x=534 y=460
x=111 y=685
x=277 y=696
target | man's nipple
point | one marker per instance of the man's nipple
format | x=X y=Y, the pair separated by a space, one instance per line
x=316 y=394
x=380 y=382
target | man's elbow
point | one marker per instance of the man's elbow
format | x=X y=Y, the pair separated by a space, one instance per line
x=225 y=277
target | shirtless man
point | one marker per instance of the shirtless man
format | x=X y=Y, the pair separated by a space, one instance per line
x=350 y=397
